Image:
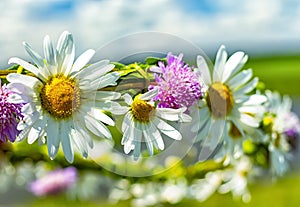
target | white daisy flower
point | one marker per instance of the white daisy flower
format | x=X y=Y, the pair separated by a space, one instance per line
x=236 y=179
x=144 y=122
x=61 y=100
x=281 y=125
x=226 y=99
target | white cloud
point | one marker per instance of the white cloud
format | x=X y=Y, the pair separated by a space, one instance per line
x=94 y=23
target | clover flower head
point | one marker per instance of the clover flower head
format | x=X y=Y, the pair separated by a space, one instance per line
x=54 y=182
x=10 y=114
x=178 y=84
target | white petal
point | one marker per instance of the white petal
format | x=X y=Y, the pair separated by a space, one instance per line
x=67 y=64
x=83 y=131
x=249 y=120
x=23 y=134
x=53 y=138
x=219 y=64
x=167 y=114
x=246 y=88
x=26 y=80
x=109 y=79
x=39 y=73
x=28 y=120
x=167 y=129
x=65 y=53
x=28 y=108
x=185 y=118
x=234 y=64
x=49 y=53
x=106 y=80
x=97 y=127
x=126 y=122
x=255 y=99
x=128 y=137
x=79 y=141
x=20 y=88
x=99 y=115
x=37 y=130
x=98 y=69
x=148 y=140
x=203 y=68
x=155 y=137
x=250 y=109
x=158 y=140
x=37 y=59
x=128 y=147
x=107 y=105
x=100 y=72
x=150 y=94
x=18 y=98
x=203 y=130
x=82 y=60
x=137 y=144
x=217 y=128
x=240 y=79
x=127 y=98
x=65 y=140
x=213 y=139
x=62 y=41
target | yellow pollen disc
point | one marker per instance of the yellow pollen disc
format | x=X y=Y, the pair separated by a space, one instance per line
x=268 y=122
x=60 y=96
x=141 y=110
x=219 y=100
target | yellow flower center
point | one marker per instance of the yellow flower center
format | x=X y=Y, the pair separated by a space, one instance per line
x=268 y=122
x=60 y=96
x=219 y=100
x=141 y=110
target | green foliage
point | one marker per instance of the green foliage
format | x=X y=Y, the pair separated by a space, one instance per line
x=280 y=73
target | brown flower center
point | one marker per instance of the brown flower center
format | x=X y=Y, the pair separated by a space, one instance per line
x=219 y=100
x=141 y=110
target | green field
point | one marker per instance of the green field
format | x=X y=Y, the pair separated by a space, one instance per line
x=278 y=73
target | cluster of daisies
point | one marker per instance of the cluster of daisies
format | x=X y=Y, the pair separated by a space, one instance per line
x=65 y=103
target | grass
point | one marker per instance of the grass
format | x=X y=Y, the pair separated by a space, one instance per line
x=284 y=192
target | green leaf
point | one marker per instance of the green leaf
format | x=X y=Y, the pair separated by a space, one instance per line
x=155 y=60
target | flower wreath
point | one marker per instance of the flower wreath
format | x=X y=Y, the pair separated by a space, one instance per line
x=222 y=113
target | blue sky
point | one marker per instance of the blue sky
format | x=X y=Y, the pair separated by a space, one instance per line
x=259 y=27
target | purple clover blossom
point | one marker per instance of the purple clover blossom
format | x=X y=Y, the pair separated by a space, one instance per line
x=10 y=114
x=178 y=84
x=54 y=182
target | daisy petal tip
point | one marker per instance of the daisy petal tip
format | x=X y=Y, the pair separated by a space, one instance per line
x=11 y=60
x=222 y=47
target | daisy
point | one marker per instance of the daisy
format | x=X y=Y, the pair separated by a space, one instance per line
x=178 y=84
x=236 y=179
x=144 y=122
x=226 y=99
x=281 y=125
x=10 y=114
x=62 y=101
